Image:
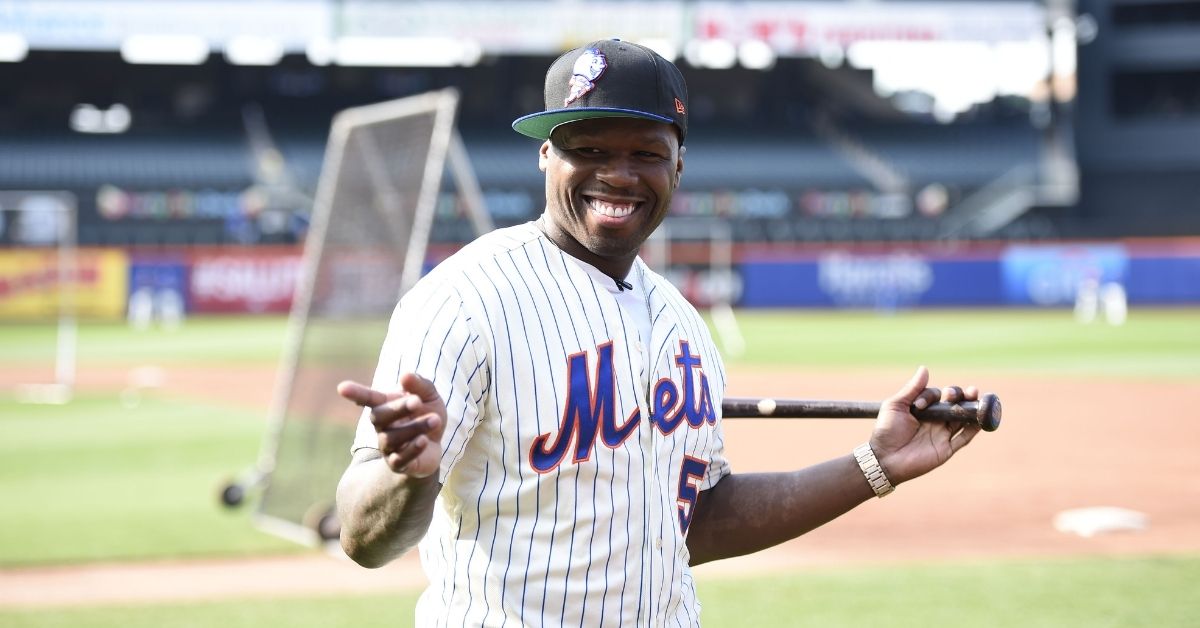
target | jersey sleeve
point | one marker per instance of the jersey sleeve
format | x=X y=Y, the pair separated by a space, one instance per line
x=432 y=334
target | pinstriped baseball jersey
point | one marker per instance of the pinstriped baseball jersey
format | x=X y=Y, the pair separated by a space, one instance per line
x=575 y=448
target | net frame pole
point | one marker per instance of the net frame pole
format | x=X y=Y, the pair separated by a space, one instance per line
x=658 y=248
x=435 y=169
x=720 y=261
x=468 y=185
x=62 y=389
x=68 y=325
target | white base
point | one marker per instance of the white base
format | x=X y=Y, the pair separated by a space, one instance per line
x=46 y=394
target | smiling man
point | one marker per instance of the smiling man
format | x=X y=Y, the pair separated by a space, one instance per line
x=545 y=417
x=609 y=183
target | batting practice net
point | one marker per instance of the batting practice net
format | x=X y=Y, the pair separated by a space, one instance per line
x=371 y=220
x=40 y=275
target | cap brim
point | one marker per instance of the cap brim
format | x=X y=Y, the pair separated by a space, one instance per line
x=540 y=125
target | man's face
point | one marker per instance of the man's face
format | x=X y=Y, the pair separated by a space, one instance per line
x=609 y=183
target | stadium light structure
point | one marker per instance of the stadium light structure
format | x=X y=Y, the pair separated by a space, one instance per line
x=714 y=54
x=13 y=47
x=1063 y=42
x=832 y=56
x=427 y=52
x=165 y=49
x=250 y=50
x=956 y=74
x=666 y=48
x=755 y=54
x=87 y=118
x=320 y=51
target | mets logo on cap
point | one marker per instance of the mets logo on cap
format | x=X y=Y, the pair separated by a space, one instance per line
x=588 y=67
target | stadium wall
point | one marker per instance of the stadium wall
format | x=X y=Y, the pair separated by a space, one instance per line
x=249 y=280
x=1152 y=273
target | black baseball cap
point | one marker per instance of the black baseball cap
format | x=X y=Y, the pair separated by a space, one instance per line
x=609 y=78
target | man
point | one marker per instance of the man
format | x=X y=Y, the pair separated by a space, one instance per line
x=545 y=417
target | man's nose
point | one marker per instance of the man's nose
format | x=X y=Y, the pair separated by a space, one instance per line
x=618 y=172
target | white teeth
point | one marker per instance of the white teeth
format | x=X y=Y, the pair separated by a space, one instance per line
x=612 y=210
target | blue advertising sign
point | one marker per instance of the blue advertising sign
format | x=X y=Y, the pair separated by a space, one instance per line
x=887 y=281
x=1051 y=274
x=157 y=276
x=1164 y=280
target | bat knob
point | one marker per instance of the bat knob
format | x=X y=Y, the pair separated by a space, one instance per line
x=989 y=412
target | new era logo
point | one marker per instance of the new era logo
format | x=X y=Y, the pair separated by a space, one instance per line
x=679 y=106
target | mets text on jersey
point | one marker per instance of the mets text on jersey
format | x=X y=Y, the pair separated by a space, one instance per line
x=590 y=409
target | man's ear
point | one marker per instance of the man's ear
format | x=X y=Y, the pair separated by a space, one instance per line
x=679 y=165
x=544 y=155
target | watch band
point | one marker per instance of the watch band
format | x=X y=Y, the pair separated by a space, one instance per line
x=870 y=467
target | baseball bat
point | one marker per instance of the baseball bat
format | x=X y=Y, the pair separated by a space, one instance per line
x=984 y=413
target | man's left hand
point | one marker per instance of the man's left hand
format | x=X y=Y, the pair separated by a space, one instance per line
x=907 y=448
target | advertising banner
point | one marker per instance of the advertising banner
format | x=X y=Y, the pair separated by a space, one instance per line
x=161 y=279
x=880 y=281
x=1049 y=275
x=72 y=25
x=243 y=281
x=805 y=28
x=1052 y=274
x=30 y=286
x=1164 y=280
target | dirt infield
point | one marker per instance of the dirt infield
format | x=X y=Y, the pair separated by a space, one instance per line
x=1065 y=443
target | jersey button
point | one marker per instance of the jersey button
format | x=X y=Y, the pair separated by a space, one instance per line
x=639 y=346
x=658 y=543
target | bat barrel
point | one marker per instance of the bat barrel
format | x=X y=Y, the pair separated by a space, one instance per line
x=986 y=412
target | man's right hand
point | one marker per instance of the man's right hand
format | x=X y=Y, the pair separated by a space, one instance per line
x=408 y=421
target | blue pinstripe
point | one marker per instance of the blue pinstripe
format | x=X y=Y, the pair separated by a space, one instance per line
x=538 y=486
x=504 y=454
x=595 y=477
x=571 y=547
x=478 y=503
x=558 y=473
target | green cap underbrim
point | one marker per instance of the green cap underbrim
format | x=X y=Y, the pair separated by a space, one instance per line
x=540 y=125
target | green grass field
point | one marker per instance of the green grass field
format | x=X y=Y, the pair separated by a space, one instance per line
x=205 y=340
x=1153 y=343
x=1095 y=593
x=98 y=481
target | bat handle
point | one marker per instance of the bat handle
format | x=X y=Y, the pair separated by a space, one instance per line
x=986 y=412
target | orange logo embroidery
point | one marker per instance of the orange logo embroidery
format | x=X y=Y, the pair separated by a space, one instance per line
x=679 y=106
